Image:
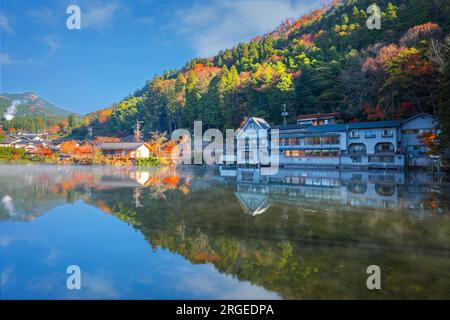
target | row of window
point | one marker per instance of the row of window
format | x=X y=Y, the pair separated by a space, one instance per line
x=386 y=133
x=310 y=141
x=311 y=153
x=382 y=159
x=322 y=182
x=360 y=148
x=414 y=131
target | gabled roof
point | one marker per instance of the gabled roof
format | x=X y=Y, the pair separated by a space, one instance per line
x=261 y=122
x=25 y=142
x=120 y=145
x=253 y=204
x=417 y=116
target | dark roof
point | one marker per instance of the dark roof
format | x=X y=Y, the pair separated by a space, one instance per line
x=120 y=145
x=318 y=116
x=26 y=141
x=291 y=126
x=375 y=124
x=327 y=128
x=355 y=125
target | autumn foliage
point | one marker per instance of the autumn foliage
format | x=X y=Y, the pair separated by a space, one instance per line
x=69 y=147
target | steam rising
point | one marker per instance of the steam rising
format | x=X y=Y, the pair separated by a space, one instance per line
x=11 y=110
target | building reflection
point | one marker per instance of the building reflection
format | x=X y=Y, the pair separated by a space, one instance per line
x=329 y=190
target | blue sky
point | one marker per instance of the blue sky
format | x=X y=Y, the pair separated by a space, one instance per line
x=121 y=43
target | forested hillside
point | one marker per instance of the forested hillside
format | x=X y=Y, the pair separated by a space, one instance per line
x=325 y=61
x=28 y=111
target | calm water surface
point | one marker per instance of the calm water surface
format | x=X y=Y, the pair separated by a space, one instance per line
x=207 y=233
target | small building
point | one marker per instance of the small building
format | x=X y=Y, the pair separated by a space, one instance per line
x=252 y=139
x=131 y=150
x=317 y=119
x=411 y=142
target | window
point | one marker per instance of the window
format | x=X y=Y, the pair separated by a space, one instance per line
x=293 y=141
x=357 y=148
x=357 y=159
x=330 y=140
x=334 y=153
x=312 y=140
x=381 y=159
x=384 y=148
x=370 y=134
x=385 y=190
x=410 y=131
x=354 y=134
x=357 y=188
x=388 y=133
x=294 y=153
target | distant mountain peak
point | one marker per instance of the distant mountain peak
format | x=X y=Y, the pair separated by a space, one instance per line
x=28 y=104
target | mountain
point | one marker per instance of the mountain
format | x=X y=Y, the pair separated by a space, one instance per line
x=325 y=61
x=28 y=104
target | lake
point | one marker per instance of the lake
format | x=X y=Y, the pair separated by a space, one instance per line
x=214 y=233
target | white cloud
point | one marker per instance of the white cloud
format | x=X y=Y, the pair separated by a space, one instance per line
x=5 y=276
x=52 y=43
x=5 y=59
x=224 y=24
x=99 y=15
x=45 y=15
x=5 y=24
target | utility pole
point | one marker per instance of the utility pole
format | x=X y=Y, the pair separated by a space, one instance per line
x=137 y=131
x=90 y=133
x=284 y=113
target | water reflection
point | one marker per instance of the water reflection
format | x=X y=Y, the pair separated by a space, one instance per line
x=298 y=234
x=371 y=190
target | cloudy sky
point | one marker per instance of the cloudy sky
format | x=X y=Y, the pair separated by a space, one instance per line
x=121 y=43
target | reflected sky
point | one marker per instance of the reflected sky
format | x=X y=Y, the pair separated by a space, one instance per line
x=203 y=233
x=116 y=264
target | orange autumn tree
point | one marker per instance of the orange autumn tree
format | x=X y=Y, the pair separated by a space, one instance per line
x=104 y=115
x=69 y=147
x=85 y=150
x=429 y=138
x=43 y=152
